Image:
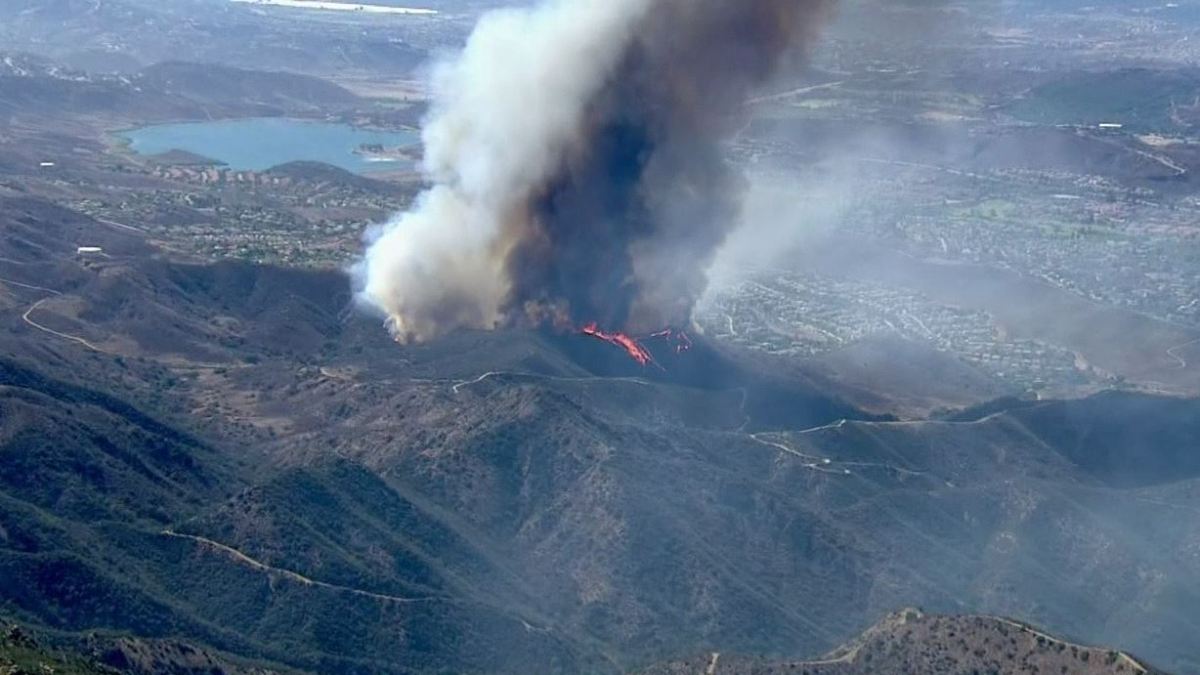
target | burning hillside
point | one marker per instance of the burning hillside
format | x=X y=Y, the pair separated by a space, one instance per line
x=574 y=154
x=677 y=342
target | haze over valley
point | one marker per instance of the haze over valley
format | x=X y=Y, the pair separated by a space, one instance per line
x=659 y=337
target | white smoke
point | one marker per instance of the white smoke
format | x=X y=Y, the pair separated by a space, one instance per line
x=505 y=112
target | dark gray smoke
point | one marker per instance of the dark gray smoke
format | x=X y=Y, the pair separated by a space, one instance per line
x=578 y=175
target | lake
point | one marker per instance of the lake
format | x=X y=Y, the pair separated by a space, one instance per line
x=261 y=143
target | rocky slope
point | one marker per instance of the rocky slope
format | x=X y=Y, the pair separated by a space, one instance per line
x=912 y=642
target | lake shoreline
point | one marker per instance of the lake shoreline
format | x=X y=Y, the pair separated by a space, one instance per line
x=261 y=143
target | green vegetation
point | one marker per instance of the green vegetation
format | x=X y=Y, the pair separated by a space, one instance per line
x=21 y=654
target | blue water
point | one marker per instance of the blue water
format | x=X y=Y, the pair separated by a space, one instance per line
x=261 y=143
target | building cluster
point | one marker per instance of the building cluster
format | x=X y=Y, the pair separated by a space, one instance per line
x=808 y=314
x=261 y=216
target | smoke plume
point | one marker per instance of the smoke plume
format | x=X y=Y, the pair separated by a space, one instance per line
x=574 y=152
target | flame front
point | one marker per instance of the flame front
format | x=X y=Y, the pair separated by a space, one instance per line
x=634 y=347
x=630 y=344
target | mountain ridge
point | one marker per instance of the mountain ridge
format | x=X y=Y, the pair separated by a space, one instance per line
x=561 y=509
x=909 y=641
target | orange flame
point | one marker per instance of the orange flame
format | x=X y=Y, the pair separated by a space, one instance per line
x=634 y=347
x=631 y=346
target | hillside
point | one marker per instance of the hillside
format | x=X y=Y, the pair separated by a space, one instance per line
x=233 y=458
x=925 y=277
x=20 y=653
x=223 y=85
x=165 y=91
x=911 y=642
x=25 y=651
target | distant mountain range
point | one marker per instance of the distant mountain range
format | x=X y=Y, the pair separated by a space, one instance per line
x=166 y=90
x=122 y=36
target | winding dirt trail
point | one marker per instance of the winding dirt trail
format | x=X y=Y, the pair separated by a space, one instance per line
x=1173 y=352
x=1133 y=663
x=766 y=98
x=10 y=282
x=246 y=560
x=458 y=386
x=73 y=338
x=811 y=462
x=27 y=316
